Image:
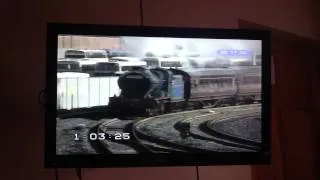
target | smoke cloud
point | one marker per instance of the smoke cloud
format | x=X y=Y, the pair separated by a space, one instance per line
x=184 y=48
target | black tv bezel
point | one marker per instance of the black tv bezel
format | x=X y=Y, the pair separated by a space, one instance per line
x=146 y=160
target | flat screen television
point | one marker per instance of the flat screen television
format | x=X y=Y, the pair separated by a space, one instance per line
x=123 y=96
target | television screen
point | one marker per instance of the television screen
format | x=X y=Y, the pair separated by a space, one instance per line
x=151 y=96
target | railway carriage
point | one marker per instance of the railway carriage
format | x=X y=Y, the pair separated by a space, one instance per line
x=249 y=81
x=158 y=90
x=212 y=82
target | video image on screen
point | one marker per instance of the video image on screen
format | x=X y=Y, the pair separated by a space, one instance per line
x=135 y=95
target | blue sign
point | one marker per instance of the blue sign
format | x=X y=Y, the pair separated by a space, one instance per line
x=234 y=53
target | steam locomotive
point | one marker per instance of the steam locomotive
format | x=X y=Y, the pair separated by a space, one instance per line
x=158 y=91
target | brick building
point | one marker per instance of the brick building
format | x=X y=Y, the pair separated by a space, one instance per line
x=87 y=42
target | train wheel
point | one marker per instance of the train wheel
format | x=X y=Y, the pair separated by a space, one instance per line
x=162 y=108
x=150 y=112
x=168 y=107
x=153 y=110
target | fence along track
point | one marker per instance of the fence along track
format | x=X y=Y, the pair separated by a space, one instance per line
x=85 y=92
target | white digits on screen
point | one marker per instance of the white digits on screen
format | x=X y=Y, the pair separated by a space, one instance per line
x=101 y=136
x=126 y=136
x=120 y=136
x=94 y=136
x=117 y=136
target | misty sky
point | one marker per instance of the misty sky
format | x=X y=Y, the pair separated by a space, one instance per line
x=159 y=46
x=205 y=47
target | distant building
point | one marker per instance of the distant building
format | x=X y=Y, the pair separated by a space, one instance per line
x=88 y=42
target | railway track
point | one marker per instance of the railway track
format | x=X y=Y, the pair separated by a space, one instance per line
x=133 y=145
x=199 y=129
x=119 y=127
x=164 y=132
x=221 y=127
x=158 y=144
x=167 y=133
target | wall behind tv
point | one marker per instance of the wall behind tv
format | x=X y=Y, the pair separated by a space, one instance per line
x=22 y=72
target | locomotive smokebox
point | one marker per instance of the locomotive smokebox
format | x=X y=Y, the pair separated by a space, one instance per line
x=137 y=84
x=134 y=85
